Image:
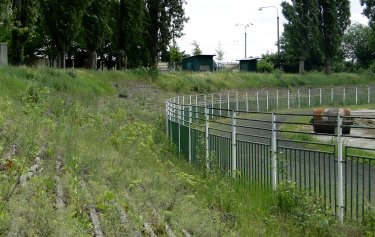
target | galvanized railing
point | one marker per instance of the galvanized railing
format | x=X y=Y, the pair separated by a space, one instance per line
x=236 y=133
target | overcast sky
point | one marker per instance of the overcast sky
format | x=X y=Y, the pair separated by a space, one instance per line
x=214 y=21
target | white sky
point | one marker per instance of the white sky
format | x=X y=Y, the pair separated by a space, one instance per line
x=214 y=21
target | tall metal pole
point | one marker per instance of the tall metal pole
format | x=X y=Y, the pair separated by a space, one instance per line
x=245 y=43
x=278 y=33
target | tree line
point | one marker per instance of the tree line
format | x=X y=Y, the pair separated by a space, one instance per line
x=121 y=33
x=318 y=35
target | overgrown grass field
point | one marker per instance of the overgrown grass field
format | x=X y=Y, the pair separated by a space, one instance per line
x=107 y=129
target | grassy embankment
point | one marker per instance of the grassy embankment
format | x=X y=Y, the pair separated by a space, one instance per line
x=117 y=147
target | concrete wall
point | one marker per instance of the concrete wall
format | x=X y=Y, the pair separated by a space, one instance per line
x=3 y=54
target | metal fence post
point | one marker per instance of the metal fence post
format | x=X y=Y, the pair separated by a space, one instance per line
x=228 y=101
x=234 y=144
x=212 y=105
x=207 y=137
x=356 y=95
x=190 y=132
x=179 y=127
x=167 y=116
x=267 y=101
x=320 y=96
x=340 y=193
x=247 y=102
x=277 y=99
x=183 y=110
x=258 y=101
x=196 y=107
x=205 y=100
x=274 y=153
x=344 y=96
x=288 y=99
x=236 y=100
x=309 y=97
x=299 y=99
x=331 y=94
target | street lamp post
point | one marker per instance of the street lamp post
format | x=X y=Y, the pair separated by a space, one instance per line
x=245 y=26
x=278 y=25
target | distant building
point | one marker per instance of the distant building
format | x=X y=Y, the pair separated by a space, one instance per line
x=198 y=63
x=248 y=64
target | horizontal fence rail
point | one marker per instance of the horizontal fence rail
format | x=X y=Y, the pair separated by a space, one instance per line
x=244 y=135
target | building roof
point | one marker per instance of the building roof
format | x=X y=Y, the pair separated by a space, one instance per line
x=200 y=55
x=248 y=59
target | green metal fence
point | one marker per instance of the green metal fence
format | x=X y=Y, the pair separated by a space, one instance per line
x=236 y=134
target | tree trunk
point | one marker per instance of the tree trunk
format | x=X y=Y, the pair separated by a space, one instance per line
x=61 y=59
x=93 y=60
x=328 y=68
x=301 y=66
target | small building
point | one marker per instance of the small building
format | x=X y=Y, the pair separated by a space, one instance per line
x=248 y=64
x=198 y=63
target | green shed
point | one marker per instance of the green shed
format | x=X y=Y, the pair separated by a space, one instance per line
x=248 y=64
x=198 y=63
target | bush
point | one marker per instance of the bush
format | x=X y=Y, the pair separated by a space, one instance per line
x=307 y=210
x=265 y=65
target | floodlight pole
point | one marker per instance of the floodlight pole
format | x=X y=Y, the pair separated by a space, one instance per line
x=245 y=26
x=278 y=26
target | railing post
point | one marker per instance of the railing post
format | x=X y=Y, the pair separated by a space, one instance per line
x=320 y=96
x=212 y=105
x=174 y=109
x=288 y=99
x=179 y=127
x=236 y=100
x=267 y=101
x=274 y=153
x=299 y=99
x=344 y=96
x=340 y=193
x=356 y=95
x=234 y=144
x=220 y=104
x=331 y=94
x=190 y=132
x=167 y=116
x=207 y=138
x=247 y=102
x=258 y=101
x=277 y=99
x=228 y=101
x=183 y=110
x=196 y=107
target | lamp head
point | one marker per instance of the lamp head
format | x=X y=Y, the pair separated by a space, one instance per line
x=260 y=9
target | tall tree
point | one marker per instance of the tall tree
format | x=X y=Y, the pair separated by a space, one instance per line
x=175 y=53
x=166 y=20
x=23 y=15
x=302 y=27
x=357 y=45
x=5 y=20
x=369 y=11
x=62 y=20
x=95 y=28
x=196 y=50
x=334 y=18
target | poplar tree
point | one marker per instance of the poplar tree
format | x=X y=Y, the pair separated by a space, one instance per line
x=302 y=27
x=334 y=18
x=369 y=11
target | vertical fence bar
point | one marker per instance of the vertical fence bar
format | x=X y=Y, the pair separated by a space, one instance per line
x=190 y=132
x=212 y=105
x=331 y=94
x=236 y=101
x=288 y=99
x=228 y=101
x=277 y=99
x=274 y=153
x=220 y=104
x=309 y=97
x=206 y=111
x=183 y=110
x=344 y=96
x=340 y=193
x=267 y=101
x=258 y=101
x=247 y=102
x=356 y=95
x=205 y=100
x=179 y=126
x=174 y=109
x=196 y=106
x=234 y=144
x=299 y=99
x=167 y=117
x=320 y=96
